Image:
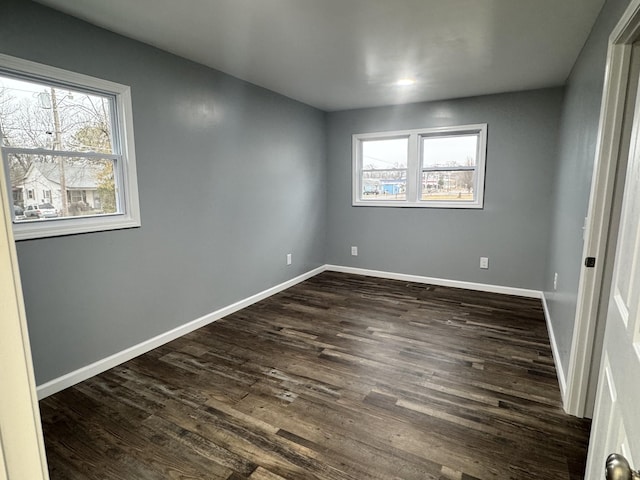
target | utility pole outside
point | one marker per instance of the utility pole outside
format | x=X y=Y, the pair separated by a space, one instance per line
x=57 y=145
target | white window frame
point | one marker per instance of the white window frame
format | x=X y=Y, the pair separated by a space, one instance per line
x=127 y=187
x=415 y=168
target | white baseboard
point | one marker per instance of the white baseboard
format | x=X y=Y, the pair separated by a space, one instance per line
x=77 y=376
x=562 y=382
x=562 y=379
x=482 y=287
x=88 y=371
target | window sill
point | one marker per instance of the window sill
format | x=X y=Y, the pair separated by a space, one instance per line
x=405 y=204
x=72 y=226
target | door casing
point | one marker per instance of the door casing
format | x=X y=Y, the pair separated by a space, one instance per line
x=601 y=225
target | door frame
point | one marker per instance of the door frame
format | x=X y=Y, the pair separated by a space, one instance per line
x=22 y=451
x=612 y=145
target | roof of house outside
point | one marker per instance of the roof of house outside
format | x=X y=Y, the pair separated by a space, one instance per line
x=82 y=177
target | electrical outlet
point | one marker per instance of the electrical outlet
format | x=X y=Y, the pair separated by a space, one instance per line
x=555 y=281
x=354 y=251
x=289 y=259
x=484 y=262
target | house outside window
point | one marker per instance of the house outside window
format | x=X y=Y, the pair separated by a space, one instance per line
x=69 y=137
x=436 y=167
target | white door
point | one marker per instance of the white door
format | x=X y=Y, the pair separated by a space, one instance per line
x=616 y=421
x=22 y=453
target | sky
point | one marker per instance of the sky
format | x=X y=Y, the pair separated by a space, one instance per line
x=33 y=100
x=20 y=88
x=438 y=151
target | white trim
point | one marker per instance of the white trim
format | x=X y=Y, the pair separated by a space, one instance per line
x=415 y=168
x=21 y=66
x=562 y=379
x=608 y=148
x=61 y=153
x=70 y=226
x=482 y=287
x=71 y=378
x=123 y=124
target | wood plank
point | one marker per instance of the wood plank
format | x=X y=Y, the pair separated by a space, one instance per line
x=340 y=377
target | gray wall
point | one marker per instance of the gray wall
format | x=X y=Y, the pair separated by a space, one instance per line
x=512 y=229
x=579 y=129
x=223 y=196
x=232 y=177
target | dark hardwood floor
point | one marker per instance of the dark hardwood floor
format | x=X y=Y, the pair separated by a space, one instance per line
x=340 y=377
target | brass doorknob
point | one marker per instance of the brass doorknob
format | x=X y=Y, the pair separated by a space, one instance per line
x=618 y=468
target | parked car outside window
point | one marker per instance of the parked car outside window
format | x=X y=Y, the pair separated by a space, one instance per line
x=42 y=210
x=18 y=212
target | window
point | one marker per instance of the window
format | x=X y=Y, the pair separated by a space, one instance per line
x=437 y=167
x=17 y=196
x=76 y=196
x=69 y=137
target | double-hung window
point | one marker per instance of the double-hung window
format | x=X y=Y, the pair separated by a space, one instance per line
x=67 y=151
x=435 y=167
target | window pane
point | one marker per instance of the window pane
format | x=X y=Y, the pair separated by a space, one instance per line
x=384 y=185
x=35 y=115
x=89 y=186
x=385 y=154
x=453 y=151
x=448 y=186
x=439 y=167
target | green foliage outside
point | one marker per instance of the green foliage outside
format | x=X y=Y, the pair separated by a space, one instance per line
x=107 y=188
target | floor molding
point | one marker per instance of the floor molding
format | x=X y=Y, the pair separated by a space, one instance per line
x=380 y=423
x=88 y=371
x=482 y=287
x=562 y=382
x=562 y=379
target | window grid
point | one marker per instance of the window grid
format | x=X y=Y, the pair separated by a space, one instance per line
x=416 y=169
x=115 y=99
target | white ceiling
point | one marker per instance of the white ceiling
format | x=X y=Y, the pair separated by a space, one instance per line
x=342 y=54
